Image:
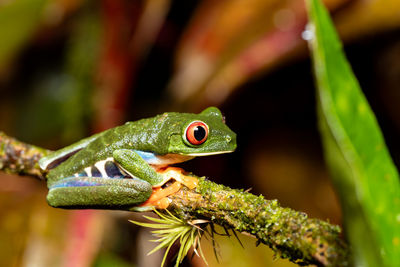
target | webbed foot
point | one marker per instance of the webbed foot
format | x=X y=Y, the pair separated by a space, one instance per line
x=159 y=198
x=178 y=174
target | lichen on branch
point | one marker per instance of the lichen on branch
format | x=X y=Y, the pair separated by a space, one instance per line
x=20 y=158
x=291 y=234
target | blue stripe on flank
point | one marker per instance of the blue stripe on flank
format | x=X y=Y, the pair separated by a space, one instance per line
x=147 y=156
x=74 y=183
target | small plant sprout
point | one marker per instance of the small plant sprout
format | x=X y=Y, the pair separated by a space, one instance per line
x=171 y=229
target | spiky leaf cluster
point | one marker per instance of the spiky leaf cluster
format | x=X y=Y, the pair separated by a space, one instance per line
x=170 y=230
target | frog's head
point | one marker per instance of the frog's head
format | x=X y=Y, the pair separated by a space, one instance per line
x=201 y=134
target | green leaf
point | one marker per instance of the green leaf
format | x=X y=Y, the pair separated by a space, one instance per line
x=362 y=169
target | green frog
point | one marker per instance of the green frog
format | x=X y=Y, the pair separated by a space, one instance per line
x=129 y=166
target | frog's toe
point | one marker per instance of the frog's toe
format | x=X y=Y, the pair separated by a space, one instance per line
x=160 y=204
x=178 y=174
x=159 y=198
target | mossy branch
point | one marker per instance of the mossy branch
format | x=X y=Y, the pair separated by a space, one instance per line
x=20 y=158
x=291 y=234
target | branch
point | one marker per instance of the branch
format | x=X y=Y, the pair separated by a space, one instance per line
x=20 y=158
x=291 y=234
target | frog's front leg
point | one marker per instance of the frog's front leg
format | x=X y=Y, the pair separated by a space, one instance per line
x=98 y=192
x=135 y=165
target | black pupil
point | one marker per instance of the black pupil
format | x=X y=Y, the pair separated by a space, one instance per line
x=199 y=133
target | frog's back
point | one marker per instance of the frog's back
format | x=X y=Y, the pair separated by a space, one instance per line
x=130 y=135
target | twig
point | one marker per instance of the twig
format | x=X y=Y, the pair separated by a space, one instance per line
x=291 y=234
x=20 y=158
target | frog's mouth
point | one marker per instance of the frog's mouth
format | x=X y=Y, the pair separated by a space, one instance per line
x=208 y=153
x=160 y=161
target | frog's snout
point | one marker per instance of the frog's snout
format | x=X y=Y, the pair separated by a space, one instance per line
x=231 y=140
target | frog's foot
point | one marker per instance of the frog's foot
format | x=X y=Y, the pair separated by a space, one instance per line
x=178 y=174
x=159 y=198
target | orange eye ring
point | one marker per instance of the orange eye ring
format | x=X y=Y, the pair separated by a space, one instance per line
x=196 y=133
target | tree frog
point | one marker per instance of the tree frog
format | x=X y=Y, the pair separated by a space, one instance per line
x=128 y=167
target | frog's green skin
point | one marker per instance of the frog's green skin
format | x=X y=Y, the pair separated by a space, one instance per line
x=138 y=149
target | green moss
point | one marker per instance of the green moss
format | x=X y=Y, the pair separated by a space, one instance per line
x=289 y=233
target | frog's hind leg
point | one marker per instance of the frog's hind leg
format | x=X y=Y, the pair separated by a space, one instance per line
x=98 y=192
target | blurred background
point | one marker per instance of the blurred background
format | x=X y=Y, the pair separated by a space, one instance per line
x=70 y=68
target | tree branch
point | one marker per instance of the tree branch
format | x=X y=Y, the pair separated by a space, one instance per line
x=20 y=158
x=291 y=234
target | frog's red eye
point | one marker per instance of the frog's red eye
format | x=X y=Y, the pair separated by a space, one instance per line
x=196 y=133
